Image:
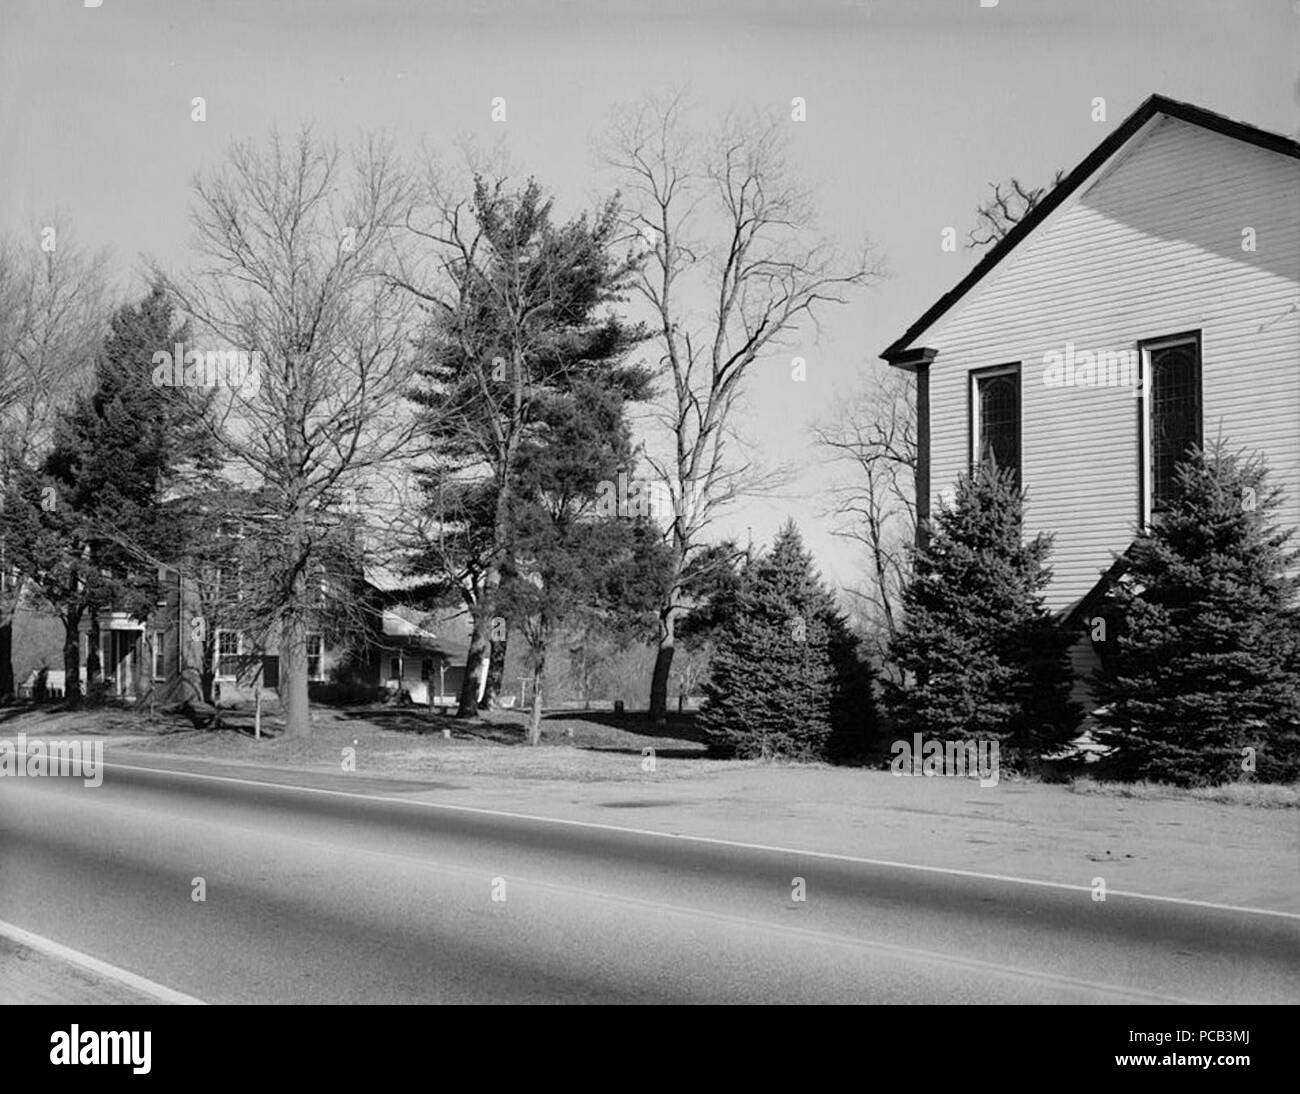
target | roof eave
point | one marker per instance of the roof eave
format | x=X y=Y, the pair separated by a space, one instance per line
x=896 y=353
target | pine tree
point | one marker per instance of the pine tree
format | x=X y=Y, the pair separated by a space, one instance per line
x=1206 y=663
x=980 y=654
x=785 y=681
x=88 y=525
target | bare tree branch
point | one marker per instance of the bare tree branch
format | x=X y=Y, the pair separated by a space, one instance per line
x=721 y=219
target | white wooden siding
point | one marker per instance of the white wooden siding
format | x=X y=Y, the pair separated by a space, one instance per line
x=1151 y=247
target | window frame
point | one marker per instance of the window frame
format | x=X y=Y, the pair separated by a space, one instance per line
x=1146 y=482
x=973 y=409
x=319 y=675
x=159 y=655
x=217 y=674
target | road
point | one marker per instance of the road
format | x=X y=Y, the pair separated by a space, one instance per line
x=371 y=892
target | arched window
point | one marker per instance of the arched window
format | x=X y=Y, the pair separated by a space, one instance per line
x=1174 y=414
x=996 y=418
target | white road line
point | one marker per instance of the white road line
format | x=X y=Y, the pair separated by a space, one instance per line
x=806 y=934
x=157 y=992
x=717 y=842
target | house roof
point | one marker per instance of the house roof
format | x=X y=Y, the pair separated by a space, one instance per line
x=406 y=629
x=901 y=352
x=393 y=581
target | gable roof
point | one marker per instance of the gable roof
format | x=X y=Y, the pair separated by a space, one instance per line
x=898 y=353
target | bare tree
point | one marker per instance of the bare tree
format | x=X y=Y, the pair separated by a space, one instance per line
x=52 y=316
x=1009 y=205
x=296 y=246
x=731 y=270
x=876 y=436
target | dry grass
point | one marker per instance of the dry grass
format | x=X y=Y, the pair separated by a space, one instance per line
x=576 y=746
x=1256 y=795
x=398 y=741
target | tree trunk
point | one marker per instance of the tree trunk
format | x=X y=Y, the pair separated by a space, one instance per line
x=475 y=666
x=293 y=646
x=72 y=659
x=667 y=631
x=94 y=667
x=663 y=666
x=535 y=718
x=293 y=677
x=488 y=692
x=496 y=670
x=294 y=622
x=7 y=688
x=207 y=665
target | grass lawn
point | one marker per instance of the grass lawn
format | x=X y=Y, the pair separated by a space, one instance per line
x=1220 y=845
x=412 y=742
x=400 y=741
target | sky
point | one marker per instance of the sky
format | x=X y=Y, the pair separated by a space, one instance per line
x=912 y=109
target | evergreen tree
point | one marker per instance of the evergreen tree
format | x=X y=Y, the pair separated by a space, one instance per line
x=1206 y=632
x=524 y=316
x=785 y=680
x=979 y=653
x=570 y=564
x=89 y=524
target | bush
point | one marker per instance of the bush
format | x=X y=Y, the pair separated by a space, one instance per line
x=1206 y=632
x=980 y=655
x=785 y=680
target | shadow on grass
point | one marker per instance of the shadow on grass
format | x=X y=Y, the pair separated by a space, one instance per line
x=679 y=727
x=416 y=720
x=660 y=753
x=110 y=716
x=17 y=710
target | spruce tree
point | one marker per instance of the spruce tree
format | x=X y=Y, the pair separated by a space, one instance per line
x=1203 y=683
x=785 y=680
x=980 y=654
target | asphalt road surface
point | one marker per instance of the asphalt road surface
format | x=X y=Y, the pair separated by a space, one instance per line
x=364 y=895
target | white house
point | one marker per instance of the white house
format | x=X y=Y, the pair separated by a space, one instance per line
x=1150 y=301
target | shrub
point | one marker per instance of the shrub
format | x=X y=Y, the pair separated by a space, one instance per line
x=979 y=654
x=1206 y=663
x=785 y=680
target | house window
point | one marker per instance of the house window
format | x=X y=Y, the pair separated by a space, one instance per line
x=395 y=668
x=426 y=668
x=1172 y=413
x=229 y=647
x=159 y=655
x=315 y=657
x=230 y=581
x=995 y=418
